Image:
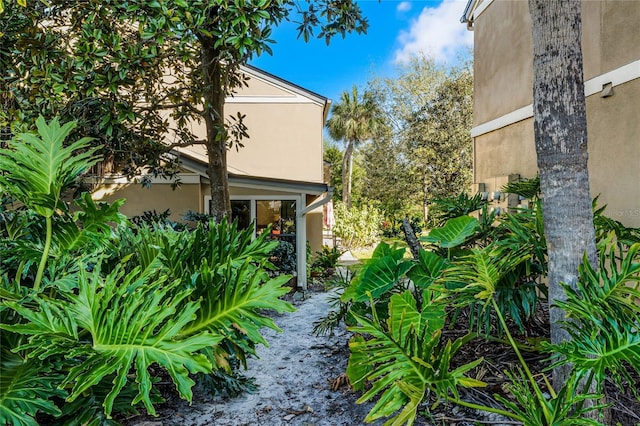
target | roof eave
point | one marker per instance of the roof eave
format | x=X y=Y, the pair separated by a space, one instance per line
x=467 y=17
x=197 y=166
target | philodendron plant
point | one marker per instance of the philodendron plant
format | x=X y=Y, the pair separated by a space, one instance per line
x=90 y=310
x=399 y=357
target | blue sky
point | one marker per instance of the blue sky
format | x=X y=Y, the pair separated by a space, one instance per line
x=397 y=31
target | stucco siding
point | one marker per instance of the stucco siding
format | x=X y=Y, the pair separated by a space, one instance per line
x=613 y=127
x=610 y=35
x=285 y=142
x=502 y=57
x=503 y=152
x=314 y=227
x=158 y=197
x=503 y=77
x=614 y=152
x=259 y=87
x=503 y=61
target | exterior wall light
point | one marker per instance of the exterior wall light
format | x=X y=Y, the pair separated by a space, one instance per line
x=607 y=90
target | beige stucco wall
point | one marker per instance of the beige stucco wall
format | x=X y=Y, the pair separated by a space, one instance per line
x=613 y=131
x=158 y=197
x=285 y=141
x=502 y=58
x=314 y=227
x=503 y=50
x=503 y=84
x=610 y=35
x=503 y=152
x=613 y=128
x=285 y=127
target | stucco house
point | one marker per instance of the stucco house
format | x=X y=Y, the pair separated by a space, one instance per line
x=276 y=178
x=503 y=134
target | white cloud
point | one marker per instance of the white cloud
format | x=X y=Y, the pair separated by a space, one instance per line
x=437 y=32
x=403 y=6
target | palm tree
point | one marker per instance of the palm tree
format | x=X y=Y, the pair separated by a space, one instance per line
x=353 y=120
x=560 y=125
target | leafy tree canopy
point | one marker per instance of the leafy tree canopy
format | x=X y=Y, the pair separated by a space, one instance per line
x=424 y=150
x=136 y=76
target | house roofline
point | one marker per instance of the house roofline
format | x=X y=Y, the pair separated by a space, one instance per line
x=197 y=166
x=299 y=90
x=250 y=69
x=473 y=9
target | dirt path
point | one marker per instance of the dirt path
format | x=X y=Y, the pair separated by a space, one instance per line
x=293 y=376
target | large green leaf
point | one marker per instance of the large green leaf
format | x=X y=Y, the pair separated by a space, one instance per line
x=384 y=270
x=403 y=359
x=454 y=233
x=405 y=317
x=128 y=322
x=429 y=268
x=26 y=389
x=240 y=300
x=37 y=168
x=605 y=317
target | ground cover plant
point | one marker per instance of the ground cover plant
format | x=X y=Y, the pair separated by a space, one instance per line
x=482 y=279
x=94 y=308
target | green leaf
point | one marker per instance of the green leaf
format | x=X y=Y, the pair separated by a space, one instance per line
x=38 y=167
x=133 y=320
x=239 y=306
x=381 y=273
x=429 y=268
x=403 y=359
x=91 y=227
x=27 y=388
x=454 y=233
x=359 y=365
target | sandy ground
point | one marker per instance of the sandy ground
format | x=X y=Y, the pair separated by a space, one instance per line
x=293 y=375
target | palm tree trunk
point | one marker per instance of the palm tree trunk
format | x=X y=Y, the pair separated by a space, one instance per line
x=347 y=171
x=560 y=125
x=214 y=97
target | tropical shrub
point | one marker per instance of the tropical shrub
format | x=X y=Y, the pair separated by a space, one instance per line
x=496 y=277
x=357 y=226
x=91 y=309
x=392 y=228
x=151 y=217
x=443 y=209
x=327 y=257
x=283 y=256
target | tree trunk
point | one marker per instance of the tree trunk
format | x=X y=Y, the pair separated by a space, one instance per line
x=214 y=97
x=347 y=169
x=411 y=238
x=560 y=126
x=425 y=198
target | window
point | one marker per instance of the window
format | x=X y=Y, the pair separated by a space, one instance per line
x=265 y=210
